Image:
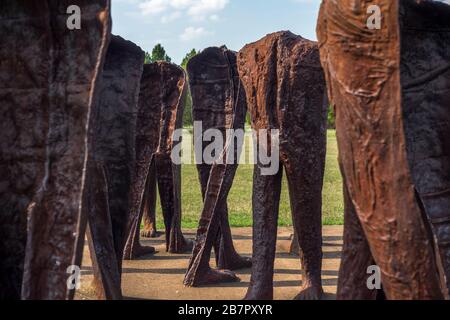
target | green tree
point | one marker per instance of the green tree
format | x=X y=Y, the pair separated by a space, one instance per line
x=148 y=58
x=158 y=54
x=188 y=57
x=331 y=118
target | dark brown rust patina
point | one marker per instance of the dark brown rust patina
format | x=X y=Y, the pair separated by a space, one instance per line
x=111 y=163
x=169 y=83
x=425 y=80
x=285 y=89
x=373 y=80
x=147 y=140
x=219 y=102
x=47 y=84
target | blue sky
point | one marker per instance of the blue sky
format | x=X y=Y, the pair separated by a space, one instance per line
x=180 y=25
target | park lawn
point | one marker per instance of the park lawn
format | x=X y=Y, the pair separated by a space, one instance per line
x=240 y=198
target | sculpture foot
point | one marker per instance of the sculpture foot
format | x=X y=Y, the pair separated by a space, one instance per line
x=310 y=292
x=259 y=295
x=236 y=263
x=151 y=233
x=138 y=252
x=186 y=246
x=212 y=277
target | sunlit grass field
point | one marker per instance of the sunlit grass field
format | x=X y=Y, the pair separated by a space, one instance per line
x=240 y=198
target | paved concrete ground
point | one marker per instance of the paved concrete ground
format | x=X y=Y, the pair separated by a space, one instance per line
x=161 y=276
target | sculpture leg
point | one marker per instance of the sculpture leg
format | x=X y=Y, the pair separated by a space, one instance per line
x=266 y=201
x=169 y=185
x=226 y=256
x=199 y=272
x=119 y=180
x=204 y=171
x=144 y=179
x=100 y=236
x=305 y=190
x=214 y=230
x=356 y=258
x=13 y=228
x=436 y=207
x=442 y=230
x=150 y=230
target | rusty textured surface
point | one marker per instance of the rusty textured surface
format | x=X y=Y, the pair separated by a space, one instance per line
x=170 y=82
x=425 y=29
x=285 y=89
x=111 y=163
x=218 y=102
x=362 y=69
x=150 y=229
x=47 y=84
x=168 y=174
x=356 y=257
x=147 y=140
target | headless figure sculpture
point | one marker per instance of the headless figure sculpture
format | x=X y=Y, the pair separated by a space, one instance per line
x=112 y=162
x=390 y=88
x=147 y=140
x=426 y=112
x=162 y=96
x=285 y=90
x=218 y=103
x=45 y=101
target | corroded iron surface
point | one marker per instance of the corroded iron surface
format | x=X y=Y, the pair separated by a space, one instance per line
x=219 y=102
x=147 y=140
x=170 y=82
x=111 y=163
x=425 y=80
x=356 y=256
x=169 y=174
x=363 y=70
x=285 y=89
x=48 y=80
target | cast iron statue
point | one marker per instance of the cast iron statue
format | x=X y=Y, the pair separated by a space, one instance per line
x=390 y=89
x=147 y=140
x=218 y=103
x=285 y=89
x=162 y=96
x=111 y=163
x=48 y=83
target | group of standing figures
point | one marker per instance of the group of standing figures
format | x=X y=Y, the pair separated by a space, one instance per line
x=88 y=134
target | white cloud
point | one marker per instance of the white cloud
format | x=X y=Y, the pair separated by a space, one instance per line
x=153 y=6
x=170 y=10
x=192 y=33
x=171 y=17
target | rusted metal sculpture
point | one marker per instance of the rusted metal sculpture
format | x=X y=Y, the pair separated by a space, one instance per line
x=147 y=140
x=219 y=102
x=425 y=77
x=166 y=83
x=150 y=229
x=111 y=163
x=356 y=256
x=285 y=89
x=45 y=101
x=387 y=83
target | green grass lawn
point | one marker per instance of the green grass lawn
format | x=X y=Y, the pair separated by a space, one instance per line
x=240 y=198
